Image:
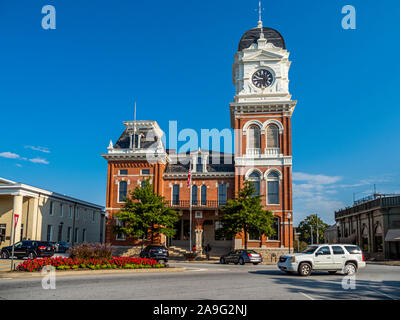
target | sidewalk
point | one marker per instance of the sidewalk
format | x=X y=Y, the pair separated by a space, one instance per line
x=386 y=263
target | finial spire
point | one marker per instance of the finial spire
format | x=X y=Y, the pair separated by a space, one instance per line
x=260 y=9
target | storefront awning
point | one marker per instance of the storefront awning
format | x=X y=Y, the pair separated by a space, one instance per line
x=393 y=235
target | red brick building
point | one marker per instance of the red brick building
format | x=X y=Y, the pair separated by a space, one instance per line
x=261 y=118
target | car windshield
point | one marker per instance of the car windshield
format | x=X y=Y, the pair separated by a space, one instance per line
x=310 y=250
x=251 y=251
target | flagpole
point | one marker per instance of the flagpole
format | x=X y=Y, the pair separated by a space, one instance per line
x=190 y=214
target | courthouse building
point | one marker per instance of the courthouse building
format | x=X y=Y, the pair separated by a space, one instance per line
x=47 y=216
x=260 y=115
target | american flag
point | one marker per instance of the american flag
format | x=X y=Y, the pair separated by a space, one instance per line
x=189 y=178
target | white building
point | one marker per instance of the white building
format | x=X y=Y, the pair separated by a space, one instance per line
x=47 y=216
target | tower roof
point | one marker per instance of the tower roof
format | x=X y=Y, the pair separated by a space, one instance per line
x=252 y=36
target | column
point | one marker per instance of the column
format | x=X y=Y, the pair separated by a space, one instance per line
x=32 y=220
x=199 y=237
x=17 y=209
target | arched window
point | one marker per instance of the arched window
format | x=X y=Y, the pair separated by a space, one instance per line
x=194 y=195
x=364 y=239
x=276 y=227
x=222 y=194
x=123 y=190
x=255 y=180
x=378 y=238
x=254 y=134
x=203 y=195
x=272 y=136
x=273 y=188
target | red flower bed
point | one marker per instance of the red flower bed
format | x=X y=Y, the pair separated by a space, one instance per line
x=115 y=262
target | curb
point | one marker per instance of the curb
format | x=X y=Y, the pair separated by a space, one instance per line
x=15 y=275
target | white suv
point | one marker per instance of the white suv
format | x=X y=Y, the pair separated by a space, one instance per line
x=347 y=258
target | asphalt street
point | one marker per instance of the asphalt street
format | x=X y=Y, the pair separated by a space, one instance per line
x=212 y=281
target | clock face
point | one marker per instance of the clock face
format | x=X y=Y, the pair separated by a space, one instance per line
x=262 y=78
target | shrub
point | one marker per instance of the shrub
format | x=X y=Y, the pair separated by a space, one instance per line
x=86 y=251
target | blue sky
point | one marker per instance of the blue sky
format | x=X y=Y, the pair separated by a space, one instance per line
x=64 y=93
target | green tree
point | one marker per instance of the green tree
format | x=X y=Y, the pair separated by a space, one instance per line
x=245 y=214
x=146 y=212
x=314 y=223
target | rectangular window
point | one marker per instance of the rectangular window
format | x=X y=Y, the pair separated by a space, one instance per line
x=60 y=229
x=2 y=232
x=222 y=194
x=93 y=216
x=61 y=210
x=218 y=231
x=123 y=190
x=76 y=235
x=120 y=236
x=49 y=233
x=273 y=192
x=84 y=235
x=203 y=195
x=175 y=194
x=254 y=235
x=22 y=231
x=145 y=172
x=77 y=214
x=194 y=195
x=51 y=208
x=69 y=234
x=123 y=172
x=276 y=227
x=199 y=165
x=70 y=212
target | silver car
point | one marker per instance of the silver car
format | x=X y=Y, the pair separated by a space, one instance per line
x=241 y=257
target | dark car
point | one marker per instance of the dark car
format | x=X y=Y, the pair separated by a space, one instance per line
x=29 y=249
x=61 y=246
x=156 y=252
x=242 y=257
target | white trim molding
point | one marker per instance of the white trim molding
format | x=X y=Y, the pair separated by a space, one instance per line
x=273 y=121
x=273 y=170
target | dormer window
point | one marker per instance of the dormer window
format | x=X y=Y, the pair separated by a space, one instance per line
x=199 y=164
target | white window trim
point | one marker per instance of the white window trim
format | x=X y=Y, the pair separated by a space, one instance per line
x=123 y=238
x=51 y=209
x=119 y=182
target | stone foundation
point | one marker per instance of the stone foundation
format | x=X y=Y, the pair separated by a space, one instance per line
x=271 y=255
x=125 y=251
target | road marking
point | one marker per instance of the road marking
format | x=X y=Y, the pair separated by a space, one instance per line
x=307 y=296
x=195 y=269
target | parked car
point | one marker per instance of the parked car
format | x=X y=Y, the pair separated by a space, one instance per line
x=241 y=257
x=332 y=258
x=61 y=246
x=157 y=252
x=29 y=249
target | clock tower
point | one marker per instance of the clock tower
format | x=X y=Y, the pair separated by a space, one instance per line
x=261 y=116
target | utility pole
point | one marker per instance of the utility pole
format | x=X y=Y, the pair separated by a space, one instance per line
x=312 y=240
x=316 y=216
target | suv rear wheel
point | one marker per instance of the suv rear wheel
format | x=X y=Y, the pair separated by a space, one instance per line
x=31 y=256
x=350 y=268
x=305 y=269
x=241 y=261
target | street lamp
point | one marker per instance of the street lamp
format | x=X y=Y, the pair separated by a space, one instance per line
x=289 y=216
